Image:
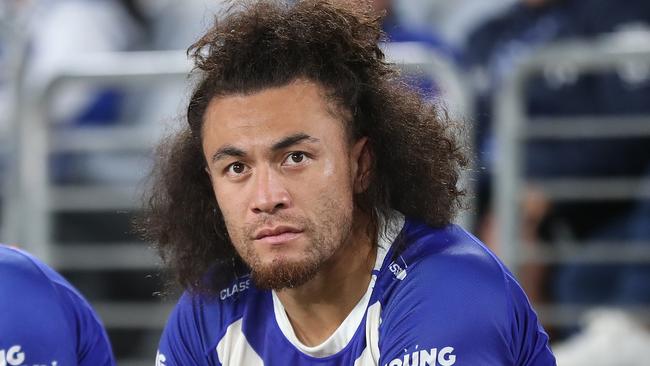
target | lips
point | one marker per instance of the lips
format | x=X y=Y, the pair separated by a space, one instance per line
x=277 y=235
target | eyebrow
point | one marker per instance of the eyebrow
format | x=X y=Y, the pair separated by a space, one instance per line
x=227 y=151
x=231 y=151
x=293 y=140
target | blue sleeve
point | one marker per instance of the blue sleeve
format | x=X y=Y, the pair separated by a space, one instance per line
x=530 y=342
x=93 y=347
x=460 y=311
x=43 y=320
x=182 y=342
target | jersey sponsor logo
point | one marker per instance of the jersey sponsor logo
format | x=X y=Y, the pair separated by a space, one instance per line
x=236 y=288
x=433 y=357
x=160 y=359
x=399 y=271
x=12 y=356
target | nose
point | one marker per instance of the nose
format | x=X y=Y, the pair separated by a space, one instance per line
x=270 y=195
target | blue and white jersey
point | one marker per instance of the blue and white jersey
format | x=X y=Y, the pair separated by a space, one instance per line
x=44 y=321
x=444 y=300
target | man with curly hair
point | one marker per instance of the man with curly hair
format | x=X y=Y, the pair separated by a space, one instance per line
x=306 y=209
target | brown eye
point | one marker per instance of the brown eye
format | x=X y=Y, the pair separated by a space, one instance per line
x=236 y=168
x=297 y=157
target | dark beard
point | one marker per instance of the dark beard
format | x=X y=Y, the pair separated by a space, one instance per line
x=325 y=241
x=281 y=274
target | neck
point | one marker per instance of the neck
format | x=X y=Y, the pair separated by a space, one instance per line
x=317 y=308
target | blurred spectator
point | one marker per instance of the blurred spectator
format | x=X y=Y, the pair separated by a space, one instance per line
x=450 y=19
x=400 y=31
x=60 y=31
x=167 y=101
x=495 y=49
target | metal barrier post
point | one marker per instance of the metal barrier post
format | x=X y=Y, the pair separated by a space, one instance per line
x=513 y=128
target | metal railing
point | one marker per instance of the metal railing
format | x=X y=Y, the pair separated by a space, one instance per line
x=514 y=128
x=35 y=198
x=14 y=39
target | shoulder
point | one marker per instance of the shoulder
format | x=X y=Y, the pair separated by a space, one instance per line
x=35 y=279
x=19 y=265
x=448 y=265
x=219 y=309
x=448 y=291
x=448 y=256
x=26 y=277
x=199 y=321
x=46 y=315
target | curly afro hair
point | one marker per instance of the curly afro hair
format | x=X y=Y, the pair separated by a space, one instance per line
x=417 y=157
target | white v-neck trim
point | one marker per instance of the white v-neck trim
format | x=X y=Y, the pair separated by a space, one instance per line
x=344 y=333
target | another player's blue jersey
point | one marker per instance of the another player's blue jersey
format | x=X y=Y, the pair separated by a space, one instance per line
x=44 y=321
x=444 y=300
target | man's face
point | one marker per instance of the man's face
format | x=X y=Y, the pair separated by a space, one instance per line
x=284 y=173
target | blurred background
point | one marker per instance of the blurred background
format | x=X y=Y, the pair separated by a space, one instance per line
x=554 y=96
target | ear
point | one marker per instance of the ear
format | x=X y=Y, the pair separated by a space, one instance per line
x=361 y=158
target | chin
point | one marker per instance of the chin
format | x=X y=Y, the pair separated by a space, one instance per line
x=282 y=273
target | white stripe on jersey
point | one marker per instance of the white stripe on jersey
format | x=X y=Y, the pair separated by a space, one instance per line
x=370 y=355
x=234 y=349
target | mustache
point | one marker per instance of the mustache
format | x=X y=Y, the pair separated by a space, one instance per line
x=276 y=220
